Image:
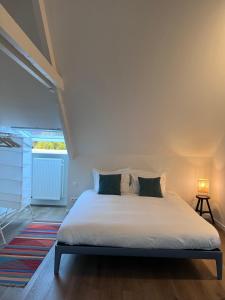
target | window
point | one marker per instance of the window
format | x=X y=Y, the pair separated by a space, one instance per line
x=44 y=140
x=49 y=145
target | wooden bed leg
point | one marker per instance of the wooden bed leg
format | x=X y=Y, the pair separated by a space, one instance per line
x=58 y=255
x=219 y=266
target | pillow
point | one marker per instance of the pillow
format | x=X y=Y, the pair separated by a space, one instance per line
x=146 y=174
x=109 y=184
x=150 y=187
x=125 y=179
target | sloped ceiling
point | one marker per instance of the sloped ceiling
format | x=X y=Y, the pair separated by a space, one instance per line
x=25 y=13
x=23 y=100
x=142 y=76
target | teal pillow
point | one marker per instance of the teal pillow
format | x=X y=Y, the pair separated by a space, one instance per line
x=150 y=187
x=109 y=184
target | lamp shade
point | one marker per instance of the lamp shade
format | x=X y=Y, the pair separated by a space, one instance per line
x=203 y=186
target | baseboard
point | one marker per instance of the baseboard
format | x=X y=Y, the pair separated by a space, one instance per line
x=49 y=205
x=62 y=202
x=221 y=225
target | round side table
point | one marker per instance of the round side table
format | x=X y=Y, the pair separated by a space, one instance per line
x=200 y=204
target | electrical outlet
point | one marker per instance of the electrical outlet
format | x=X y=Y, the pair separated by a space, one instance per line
x=75 y=183
x=72 y=199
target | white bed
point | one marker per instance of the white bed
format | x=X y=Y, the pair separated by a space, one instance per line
x=132 y=221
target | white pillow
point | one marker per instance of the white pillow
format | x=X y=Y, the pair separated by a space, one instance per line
x=146 y=174
x=125 y=179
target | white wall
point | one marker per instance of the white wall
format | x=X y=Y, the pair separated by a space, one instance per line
x=144 y=79
x=218 y=180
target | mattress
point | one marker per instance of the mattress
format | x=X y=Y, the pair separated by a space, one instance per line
x=136 y=222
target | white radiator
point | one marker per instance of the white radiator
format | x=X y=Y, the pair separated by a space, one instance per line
x=47 y=179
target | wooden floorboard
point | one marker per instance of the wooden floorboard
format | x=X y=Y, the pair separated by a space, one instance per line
x=119 y=278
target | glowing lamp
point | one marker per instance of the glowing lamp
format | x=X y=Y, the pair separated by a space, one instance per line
x=203 y=186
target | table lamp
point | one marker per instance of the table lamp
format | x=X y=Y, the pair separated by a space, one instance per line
x=203 y=186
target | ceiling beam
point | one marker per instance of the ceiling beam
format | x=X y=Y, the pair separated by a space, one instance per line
x=16 y=44
x=63 y=113
x=10 y=51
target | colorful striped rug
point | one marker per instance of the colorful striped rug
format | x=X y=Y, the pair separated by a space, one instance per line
x=23 y=255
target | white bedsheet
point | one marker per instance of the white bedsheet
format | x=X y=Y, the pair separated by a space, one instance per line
x=136 y=222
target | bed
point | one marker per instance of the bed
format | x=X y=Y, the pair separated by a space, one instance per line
x=130 y=225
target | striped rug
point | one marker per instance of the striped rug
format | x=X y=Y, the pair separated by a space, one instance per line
x=23 y=255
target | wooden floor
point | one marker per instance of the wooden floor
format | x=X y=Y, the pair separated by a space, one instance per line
x=106 y=278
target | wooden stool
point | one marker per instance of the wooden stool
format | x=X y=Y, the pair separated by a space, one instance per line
x=200 y=203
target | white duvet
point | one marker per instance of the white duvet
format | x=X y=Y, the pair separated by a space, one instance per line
x=136 y=222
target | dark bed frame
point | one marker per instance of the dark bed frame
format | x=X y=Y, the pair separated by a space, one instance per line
x=62 y=248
